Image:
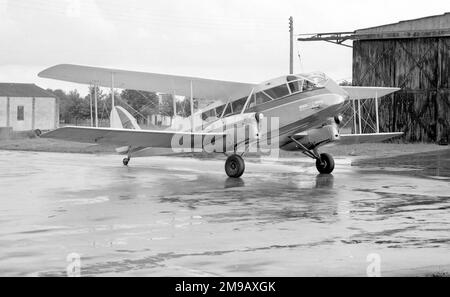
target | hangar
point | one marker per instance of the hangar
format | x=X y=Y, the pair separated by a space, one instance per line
x=26 y=107
x=413 y=55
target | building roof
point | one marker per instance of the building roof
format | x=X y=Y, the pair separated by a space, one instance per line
x=23 y=90
x=431 y=26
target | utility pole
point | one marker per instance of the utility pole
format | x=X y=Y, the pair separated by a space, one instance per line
x=291 y=48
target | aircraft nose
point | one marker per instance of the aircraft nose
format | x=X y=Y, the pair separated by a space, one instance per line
x=338 y=101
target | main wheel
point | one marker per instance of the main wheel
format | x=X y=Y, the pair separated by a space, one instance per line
x=325 y=164
x=234 y=166
x=125 y=161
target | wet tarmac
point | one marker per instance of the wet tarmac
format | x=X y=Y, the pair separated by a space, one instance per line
x=182 y=217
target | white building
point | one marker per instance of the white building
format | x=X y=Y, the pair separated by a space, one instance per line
x=27 y=107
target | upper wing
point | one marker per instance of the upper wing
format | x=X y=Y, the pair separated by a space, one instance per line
x=368 y=137
x=210 y=89
x=368 y=92
x=125 y=137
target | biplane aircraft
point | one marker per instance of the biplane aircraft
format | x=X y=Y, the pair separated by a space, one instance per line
x=306 y=108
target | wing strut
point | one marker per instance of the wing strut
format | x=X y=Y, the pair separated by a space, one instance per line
x=192 y=107
x=112 y=90
x=359 y=116
x=376 y=113
x=96 y=105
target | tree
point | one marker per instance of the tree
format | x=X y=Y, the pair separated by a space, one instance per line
x=184 y=107
x=345 y=83
x=166 y=106
x=64 y=104
x=100 y=101
x=78 y=108
x=144 y=103
x=71 y=105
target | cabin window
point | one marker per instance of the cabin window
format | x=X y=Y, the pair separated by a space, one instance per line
x=257 y=99
x=208 y=114
x=261 y=98
x=219 y=110
x=278 y=92
x=228 y=110
x=251 y=102
x=238 y=105
x=20 y=113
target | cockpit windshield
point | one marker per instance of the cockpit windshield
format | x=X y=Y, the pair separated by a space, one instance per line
x=317 y=78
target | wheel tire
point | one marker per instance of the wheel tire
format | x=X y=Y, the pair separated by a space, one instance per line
x=234 y=166
x=325 y=164
x=125 y=161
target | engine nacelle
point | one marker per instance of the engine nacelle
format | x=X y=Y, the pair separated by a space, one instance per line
x=320 y=136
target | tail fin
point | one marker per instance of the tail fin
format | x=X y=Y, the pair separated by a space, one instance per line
x=120 y=118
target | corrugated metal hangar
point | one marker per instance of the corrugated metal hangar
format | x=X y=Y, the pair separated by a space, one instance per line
x=27 y=107
x=413 y=55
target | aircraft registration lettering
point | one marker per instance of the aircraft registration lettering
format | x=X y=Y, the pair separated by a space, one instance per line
x=317 y=104
x=303 y=106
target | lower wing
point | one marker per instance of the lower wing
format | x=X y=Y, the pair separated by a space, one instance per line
x=128 y=137
x=368 y=137
x=356 y=93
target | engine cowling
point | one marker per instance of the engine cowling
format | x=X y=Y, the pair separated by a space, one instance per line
x=320 y=136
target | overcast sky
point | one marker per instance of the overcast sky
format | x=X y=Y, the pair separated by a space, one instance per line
x=233 y=40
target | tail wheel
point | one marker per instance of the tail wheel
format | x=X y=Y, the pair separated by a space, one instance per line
x=125 y=161
x=234 y=166
x=325 y=164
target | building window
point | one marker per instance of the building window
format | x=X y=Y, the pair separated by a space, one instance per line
x=20 y=113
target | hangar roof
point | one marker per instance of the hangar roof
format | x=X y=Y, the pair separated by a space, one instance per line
x=431 y=26
x=23 y=90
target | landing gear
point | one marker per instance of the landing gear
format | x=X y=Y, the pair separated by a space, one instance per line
x=324 y=161
x=325 y=164
x=234 y=166
x=127 y=159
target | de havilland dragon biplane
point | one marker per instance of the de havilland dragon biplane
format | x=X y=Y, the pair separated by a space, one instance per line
x=306 y=107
